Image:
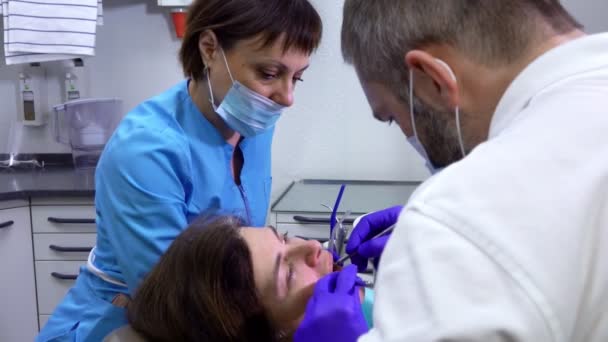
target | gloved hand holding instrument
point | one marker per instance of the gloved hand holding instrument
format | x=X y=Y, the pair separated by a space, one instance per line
x=333 y=314
x=369 y=237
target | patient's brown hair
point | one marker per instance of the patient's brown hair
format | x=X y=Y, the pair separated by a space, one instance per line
x=202 y=289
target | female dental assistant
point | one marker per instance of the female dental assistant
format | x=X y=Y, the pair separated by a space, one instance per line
x=203 y=144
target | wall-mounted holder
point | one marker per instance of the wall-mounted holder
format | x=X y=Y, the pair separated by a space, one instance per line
x=33 y=95
x=74 y=85
x=178 y=14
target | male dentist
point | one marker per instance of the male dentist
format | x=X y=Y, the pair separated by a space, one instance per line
x=509 y=242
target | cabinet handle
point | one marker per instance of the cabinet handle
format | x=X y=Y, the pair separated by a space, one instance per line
x=321 y=240
x=64 y=276
x=70 y=249
x=368 y=271
x=71 y=221
x=306 y=219
x=6 y=224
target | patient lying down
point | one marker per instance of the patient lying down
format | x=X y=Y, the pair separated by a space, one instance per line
x=220 y=281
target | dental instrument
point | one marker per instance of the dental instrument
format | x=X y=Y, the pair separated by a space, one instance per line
x=333 y=220
x=382 y=233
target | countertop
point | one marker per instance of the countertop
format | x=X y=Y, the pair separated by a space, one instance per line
x=360 y=196
x=46 y=182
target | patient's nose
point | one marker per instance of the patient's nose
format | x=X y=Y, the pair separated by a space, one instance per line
x=313 y=253
x=308 y=250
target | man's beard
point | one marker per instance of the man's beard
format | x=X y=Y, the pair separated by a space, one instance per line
x=438 y=134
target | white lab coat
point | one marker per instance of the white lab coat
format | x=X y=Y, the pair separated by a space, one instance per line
x=511 y=243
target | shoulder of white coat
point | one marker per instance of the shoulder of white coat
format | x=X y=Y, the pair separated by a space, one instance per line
x=534 y=147
x=466 y=190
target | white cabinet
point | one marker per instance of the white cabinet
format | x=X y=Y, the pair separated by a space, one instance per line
x=18 y=317
x=63 y=234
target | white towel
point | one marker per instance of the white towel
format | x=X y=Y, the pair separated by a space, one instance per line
x=99 y=13
x=47 y=30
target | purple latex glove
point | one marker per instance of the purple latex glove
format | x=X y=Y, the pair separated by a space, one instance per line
x=369 y=226
x=333 y=313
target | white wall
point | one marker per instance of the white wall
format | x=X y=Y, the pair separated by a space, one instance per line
x=591 y=13
x=329 y=133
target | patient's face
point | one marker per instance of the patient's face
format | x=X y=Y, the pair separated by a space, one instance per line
x=285 y=271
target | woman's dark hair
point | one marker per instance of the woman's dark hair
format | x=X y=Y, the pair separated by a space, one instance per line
x=234 y=20
x=202 y=289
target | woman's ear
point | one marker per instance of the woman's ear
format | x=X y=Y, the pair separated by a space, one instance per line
x=208 y=46
x=436 y=76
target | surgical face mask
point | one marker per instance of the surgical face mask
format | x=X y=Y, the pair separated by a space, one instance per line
x=415 y=140
x=244 y=110
x=417 y=145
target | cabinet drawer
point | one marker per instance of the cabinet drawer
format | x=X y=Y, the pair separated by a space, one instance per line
x=42 y=319
x=63 y=219
x=51 y=289
x=63 y=246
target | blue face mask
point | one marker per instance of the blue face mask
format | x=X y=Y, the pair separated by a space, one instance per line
x=244 y=110
x=417 y=145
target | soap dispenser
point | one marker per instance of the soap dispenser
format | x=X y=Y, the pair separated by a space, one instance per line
x=75 y=82
x=33 y=97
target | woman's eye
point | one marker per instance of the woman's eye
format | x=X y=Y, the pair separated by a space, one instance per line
x=268 y=75
x=290 y=275
x=298 y=79
x=286 y=237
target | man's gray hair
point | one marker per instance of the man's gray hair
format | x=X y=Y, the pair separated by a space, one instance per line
x=377 y=34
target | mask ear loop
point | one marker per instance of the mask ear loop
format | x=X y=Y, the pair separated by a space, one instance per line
x=411 y=91
x=457 y=110
x=211 y=97
x=211 y=100
x=227 y=67
x=459 y=131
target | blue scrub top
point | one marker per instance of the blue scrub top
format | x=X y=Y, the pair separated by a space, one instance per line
x=164 y=165
x=368 y=307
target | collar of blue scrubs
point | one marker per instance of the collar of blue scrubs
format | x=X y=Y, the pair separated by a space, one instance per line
x=570 y=59
x=202 y=119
